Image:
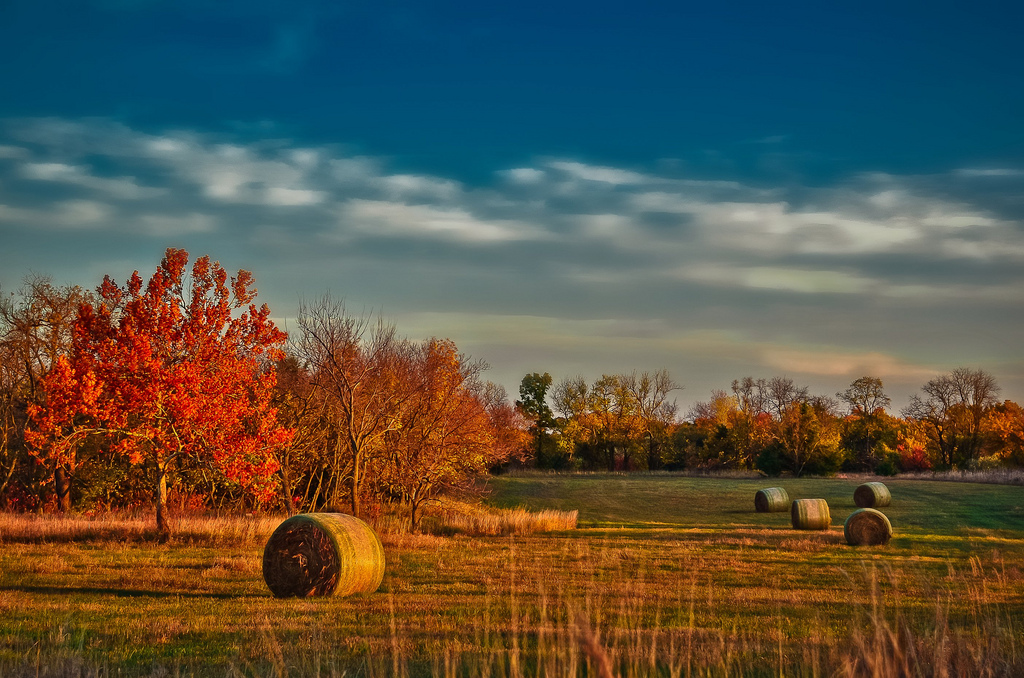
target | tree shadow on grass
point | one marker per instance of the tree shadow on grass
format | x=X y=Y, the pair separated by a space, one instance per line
x=119 y=593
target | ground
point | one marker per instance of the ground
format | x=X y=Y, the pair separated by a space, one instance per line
x=665 y=575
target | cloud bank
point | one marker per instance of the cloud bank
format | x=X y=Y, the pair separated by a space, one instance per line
x=560 y=265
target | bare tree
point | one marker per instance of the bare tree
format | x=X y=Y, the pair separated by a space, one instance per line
x=781 y=393
x=35 y=329
x=865 y=395
x=954 y=408
x=650 y=392
x=751 y=395
x=355 y=368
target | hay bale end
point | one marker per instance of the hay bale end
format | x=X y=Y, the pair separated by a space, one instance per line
x=872 y=495
x=323 y=554
x=867 y=527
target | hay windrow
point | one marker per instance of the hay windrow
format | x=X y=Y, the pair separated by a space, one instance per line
x=811 y=514
x=872 y=495
x=771 y=500
x=867 y=527
x=321 y=554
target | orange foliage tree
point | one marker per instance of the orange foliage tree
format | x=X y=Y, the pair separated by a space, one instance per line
x=168 y=372
x=1006 y=426
x=454 y=427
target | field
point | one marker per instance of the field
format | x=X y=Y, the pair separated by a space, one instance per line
x=665 y=575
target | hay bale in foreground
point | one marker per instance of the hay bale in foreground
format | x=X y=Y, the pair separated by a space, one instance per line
x=867 y=527
x=771 y=500
x=322 y=554
x=811 y=514
x=872 y=495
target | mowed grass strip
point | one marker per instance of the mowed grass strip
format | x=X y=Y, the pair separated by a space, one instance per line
x=690 y=575
x=663 y=499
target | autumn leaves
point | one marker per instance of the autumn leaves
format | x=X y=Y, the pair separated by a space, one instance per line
x=182 y=372
x=173 y=372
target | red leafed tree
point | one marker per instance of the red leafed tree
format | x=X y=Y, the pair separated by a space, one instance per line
x=179 y=368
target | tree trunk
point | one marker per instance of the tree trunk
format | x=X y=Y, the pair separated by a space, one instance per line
x=62 y=483
x=163 y=528
x=354 y=485
x=286 y=488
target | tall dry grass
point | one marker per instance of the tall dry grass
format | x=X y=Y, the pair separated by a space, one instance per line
x=998 y=476
x=234 y=530
x=214 y=530
x=454 y=517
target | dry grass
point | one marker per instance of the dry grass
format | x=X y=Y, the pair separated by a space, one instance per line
x=135 y=527
x=446 y=518
x=539 y=607
x=1001 y=476
x=729 y=592
x=454 y=517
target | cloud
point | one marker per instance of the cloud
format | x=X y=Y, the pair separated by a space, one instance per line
x=850 y=365
x=124 y=188
x=592 y=267
x=606 y=175
x=387 y=219
x=991 y=172
x=784 y=279
x=13 y=152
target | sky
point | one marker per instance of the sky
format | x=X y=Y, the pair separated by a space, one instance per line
x=821 y=191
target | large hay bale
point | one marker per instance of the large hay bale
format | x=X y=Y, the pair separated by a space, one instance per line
x=771 y=500
x=867 y=527
x=322 y=554
x=872 y=495
x=811 y=514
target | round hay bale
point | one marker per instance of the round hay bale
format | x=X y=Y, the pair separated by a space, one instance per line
x=872 y=495
x=322 y=554
x=771 y=500
x=867 y=527
x=811 y=514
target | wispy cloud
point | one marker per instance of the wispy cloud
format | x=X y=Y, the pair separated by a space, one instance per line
x=582 y=263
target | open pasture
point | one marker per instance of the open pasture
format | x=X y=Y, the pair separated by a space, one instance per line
x=666 y=575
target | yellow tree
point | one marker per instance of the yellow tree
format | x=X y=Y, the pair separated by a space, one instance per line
x=1005 y=425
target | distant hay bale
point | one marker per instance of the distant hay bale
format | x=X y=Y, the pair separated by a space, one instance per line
x=811 y=514
x=872 y=495
x=323 y=554
x=867 y=527
x=771 y=500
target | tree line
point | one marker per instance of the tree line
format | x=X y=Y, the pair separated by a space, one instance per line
x=181 y=391
x=630 y=422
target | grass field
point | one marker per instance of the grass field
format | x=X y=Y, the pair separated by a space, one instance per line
x=668 y=576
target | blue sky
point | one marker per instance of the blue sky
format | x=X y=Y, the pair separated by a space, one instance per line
x=721 y=190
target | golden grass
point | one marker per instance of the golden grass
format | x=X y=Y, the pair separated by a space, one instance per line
x=133 y=527
x=731 y=592
x=446 y=518
x=454 y=517
x=1000 y=476
x=632 y=606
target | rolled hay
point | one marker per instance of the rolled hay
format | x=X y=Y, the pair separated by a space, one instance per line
x=322 y=554
x=771 y=500
x=872 y=495
x=811 y=514
x=867 y=527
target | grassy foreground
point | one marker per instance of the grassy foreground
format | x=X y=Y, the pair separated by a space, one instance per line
x=667 y=576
